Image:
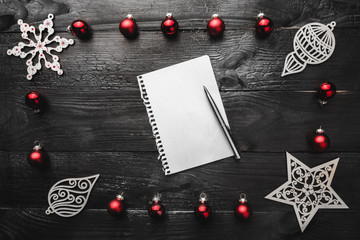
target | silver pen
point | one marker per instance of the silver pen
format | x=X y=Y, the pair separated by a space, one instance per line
x=223 y=125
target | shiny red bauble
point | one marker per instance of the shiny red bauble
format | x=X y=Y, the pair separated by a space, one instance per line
x=264 y=25
x=156 y=208
x=320 y=141
x=215 y=26
x=326 y=91
x=203 y=210
x=128 y=27
x=169 y=26
x=37 y=158
x=80 y=29
x=115 y=207
x=34 y=101
x=243 y=209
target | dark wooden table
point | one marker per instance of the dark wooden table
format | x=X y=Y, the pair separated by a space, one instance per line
x=96 y=122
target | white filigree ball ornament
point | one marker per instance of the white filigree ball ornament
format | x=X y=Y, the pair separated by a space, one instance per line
x=308 y=189
x=40 y=47
x=69 y=196
x=313 y=43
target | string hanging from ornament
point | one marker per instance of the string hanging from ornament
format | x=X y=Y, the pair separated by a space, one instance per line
x=69 y=196
x=40 y=47
x=313 y=43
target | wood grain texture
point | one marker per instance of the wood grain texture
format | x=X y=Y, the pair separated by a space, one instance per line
x=95 y=224
x=139 y=175
x=95 y=121
x=240 y=61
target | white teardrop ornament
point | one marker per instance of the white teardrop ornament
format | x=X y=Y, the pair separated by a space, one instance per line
x=69 y=196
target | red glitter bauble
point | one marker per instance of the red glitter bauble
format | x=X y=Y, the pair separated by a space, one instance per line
x=203 y=210
x=320 y=140
x=326 y=91
x=128 y=27
x=33 y=100
x=156 y=208
x=115 y=207
x=169 y=26
x=243 y=209
x=264 y=25
x=216 y=26
x=80 y=29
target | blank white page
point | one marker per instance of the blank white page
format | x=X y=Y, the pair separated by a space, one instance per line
x=187 y=131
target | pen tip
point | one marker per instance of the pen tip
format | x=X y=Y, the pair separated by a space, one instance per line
x=205 y=89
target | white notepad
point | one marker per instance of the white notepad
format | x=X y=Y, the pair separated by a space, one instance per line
x=186 y=130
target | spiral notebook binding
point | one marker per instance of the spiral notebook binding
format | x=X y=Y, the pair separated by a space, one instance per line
x=155 y=130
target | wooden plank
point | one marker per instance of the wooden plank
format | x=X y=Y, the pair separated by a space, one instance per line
x=96 y=224
x=92 y=119
x=139 y=176
x=240 y=61
x=190 y=14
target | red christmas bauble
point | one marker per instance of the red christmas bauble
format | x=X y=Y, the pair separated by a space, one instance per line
x=326 y=91
x=156 y=208
x=203 y=210
x=243 y=209
x=128 y=27
x=169 y=26
x=37 y=157
x=264 y=25
x=33 y=100
x=216 y=26
x=320 y=140
x=80 y=29
x=116 y=206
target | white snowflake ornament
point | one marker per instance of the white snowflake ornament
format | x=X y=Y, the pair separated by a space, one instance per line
x=39 y=46
x=308 y=189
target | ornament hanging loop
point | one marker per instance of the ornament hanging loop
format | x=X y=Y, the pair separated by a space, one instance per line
x=242 y=197
x=37 y=145
x=331 y=25
x=203 y=197
x=120 y=196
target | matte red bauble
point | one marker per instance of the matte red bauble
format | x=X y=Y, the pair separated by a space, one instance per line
x=156 y=209
x=37 y=157
x=80 y=29
x=203 y=210
x=243 y=209
x=320 y=140
x=128 y=27
x=326 y=91
x=264 y=25
x=33 y=100
x=215 y=26
x=169 y=26
x=115 y=207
